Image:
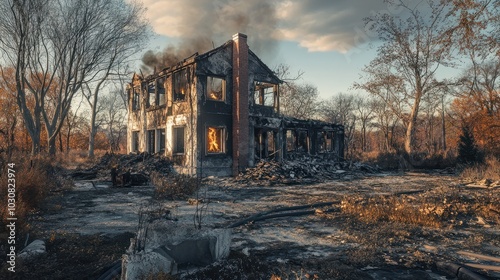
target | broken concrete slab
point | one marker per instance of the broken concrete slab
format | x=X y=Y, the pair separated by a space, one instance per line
x=33 y=250
x=172 y=233
x=169 y=243
x=140 y=265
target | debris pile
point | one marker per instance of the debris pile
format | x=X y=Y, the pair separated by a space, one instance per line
x=307 y=167
x=484 y=184
x=124 y=170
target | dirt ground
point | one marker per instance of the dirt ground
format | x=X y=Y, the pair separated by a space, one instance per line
x=378 y=226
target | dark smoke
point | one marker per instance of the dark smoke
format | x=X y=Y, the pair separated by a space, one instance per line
x=171 y=54
x=205 y=24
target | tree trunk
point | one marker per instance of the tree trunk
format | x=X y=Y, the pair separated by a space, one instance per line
x=410 y=130
x=68 y=137
x=92 y=142
x=93 y=105
x=363 y=137
x=11 y=138
x=61 y=148
x=35 y=144
x=52 y=145
x=93 y=130
x=443 y=124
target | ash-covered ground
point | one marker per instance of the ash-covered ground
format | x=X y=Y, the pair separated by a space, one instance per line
x=369 y=224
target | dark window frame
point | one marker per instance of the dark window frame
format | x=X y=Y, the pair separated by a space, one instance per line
x=161 y=91
x=223 y=138
x=223 y=89
x=136 y=97
x=162 y=140
x=175 y=148
x=180 y=78
x=151 y=140
x=135 y=141
x=151 y=90
x=261 y=94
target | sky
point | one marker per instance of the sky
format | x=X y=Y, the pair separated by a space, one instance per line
x=325 y=39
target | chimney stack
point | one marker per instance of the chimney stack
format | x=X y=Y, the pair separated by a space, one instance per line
x=240 y=103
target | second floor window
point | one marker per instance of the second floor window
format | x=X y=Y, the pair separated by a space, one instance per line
x=135 y=99
x=160 y=89
x=181 y=85
x=264 y=94
x=151 y=93
x=216 y=88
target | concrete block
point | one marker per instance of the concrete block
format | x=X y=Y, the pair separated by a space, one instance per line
x=33 y=250
x=142 y=264
x=222 y=246
x=189 y=246
x=169 y=243
x=192 y=251
x=171 y=233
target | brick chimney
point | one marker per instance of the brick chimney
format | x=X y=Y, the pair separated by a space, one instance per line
x=240 y=103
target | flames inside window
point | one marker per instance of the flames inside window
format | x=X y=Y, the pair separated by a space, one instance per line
x=215 y=88
x=181 y=85
x=215 y=144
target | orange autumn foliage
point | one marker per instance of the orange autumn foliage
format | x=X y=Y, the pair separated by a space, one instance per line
x=484 y=120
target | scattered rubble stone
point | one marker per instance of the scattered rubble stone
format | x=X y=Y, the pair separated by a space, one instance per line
x=484 y=184
x=307 y=167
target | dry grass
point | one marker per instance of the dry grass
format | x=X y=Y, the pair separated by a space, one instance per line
x=34 y=179
x=489 y=170
x=173 y=186
x=442 y=206
x=392 y=209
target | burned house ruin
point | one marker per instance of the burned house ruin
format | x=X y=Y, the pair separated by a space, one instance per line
x=218 y=113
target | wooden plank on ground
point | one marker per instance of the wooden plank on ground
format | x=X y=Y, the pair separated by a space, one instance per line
x=484 y=266
x=479 y=256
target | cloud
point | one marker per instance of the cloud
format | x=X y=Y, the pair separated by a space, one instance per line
x=319 y=25
x=215 y=20
x=325 y=25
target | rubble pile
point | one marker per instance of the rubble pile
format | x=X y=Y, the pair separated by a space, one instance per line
x=306 y=167
x=144 y=163
x=136 y=168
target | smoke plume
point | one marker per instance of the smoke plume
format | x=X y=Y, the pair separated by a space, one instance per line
x=201 y=25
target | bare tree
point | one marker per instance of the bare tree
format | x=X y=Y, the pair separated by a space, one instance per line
x=9 y=112
x=481 y=82
x=114 y=117
x=364 y=112
x=477 y=27
x=283 y=72
x=412 y=50
x=73 y=122
x=386 y=121
x=299 y=100
x=127 y=43
x=20 y=29
x=477 y=102
x=431 y=104
x=57 y=46
x=340 y=109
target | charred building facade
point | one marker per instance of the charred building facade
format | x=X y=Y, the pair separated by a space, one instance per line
x=219 y=112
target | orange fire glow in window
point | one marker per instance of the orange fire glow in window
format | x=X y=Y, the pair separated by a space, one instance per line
x=214 y=140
